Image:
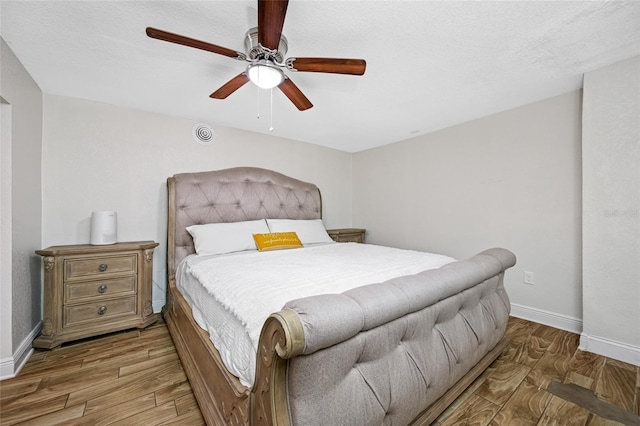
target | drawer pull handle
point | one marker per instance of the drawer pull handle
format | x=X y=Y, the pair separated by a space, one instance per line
x=103 y=267
x=102 y=288
x=102 y=310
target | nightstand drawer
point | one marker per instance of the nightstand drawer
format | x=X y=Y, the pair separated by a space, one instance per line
x=75 y=292
x=101 y=310
x=81 y=268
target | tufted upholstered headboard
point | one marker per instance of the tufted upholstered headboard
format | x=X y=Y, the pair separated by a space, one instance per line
x=232 y=195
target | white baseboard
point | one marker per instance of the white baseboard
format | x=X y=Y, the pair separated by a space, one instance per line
x=610 y=348
x=552 y=319
x=6 y=368
x=10 y=367
x=597 y=345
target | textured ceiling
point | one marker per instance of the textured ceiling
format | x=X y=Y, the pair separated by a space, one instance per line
x=430 y=64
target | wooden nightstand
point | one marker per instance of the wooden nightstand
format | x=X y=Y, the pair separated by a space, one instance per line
x=347 y=235
x=91 y=290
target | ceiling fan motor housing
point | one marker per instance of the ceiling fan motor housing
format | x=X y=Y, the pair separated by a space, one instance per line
x=255 y=50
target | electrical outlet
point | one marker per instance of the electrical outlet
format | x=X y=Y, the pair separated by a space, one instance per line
x=528 y=277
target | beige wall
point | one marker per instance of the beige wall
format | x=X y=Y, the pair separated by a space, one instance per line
x=611 y=205
x=6 y=302
x=20 y=211
x=512 y=179
x=102 y=157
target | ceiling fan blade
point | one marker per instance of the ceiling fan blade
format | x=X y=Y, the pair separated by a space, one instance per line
x=231 y=86
x=191 y=42
x=329 y=65
x=294 y=94
x=271 y=15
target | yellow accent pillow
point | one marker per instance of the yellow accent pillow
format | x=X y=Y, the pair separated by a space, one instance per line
x=277 y=241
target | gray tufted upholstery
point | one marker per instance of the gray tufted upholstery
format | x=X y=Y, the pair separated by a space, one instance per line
x=396 y=347
x=238 y=194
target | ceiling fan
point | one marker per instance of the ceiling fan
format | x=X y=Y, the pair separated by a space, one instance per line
x=265 y=49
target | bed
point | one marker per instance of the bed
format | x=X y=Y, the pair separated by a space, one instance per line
x=394 y=351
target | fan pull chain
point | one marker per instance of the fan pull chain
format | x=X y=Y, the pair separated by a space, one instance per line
x=270 y=106
x=258 y=104
x=271 y=118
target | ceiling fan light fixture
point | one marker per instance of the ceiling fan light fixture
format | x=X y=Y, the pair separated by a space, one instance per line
x=265 y=74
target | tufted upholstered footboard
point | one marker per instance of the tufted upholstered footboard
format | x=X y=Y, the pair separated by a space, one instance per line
x=382 y=353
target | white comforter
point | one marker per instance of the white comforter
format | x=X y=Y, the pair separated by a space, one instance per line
x=252 y=285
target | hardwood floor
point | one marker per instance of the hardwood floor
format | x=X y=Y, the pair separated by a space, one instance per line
x=514 y=390
x=128 y=378
x=135 y=377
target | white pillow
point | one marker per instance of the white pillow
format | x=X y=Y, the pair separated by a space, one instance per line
x=309 y=231
x=219 y=238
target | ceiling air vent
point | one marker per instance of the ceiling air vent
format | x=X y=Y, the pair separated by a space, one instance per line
x=203 y=133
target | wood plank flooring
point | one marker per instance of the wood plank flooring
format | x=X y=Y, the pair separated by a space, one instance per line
x=514 y=389
x=127 y=378
x=135 y=378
